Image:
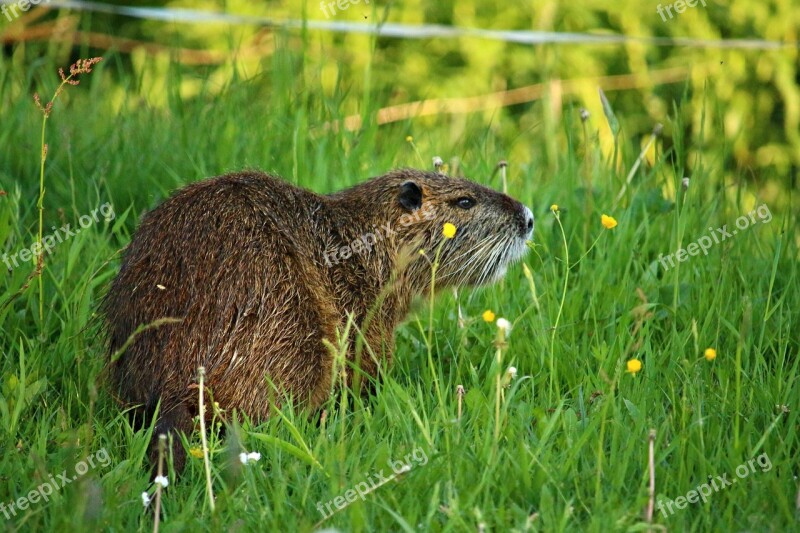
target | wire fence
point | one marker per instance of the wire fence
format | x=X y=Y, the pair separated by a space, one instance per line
x=406 y=31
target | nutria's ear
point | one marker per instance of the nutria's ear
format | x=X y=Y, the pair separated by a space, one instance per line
x=410 y=196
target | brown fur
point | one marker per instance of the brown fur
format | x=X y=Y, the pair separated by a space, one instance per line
x=242 y=261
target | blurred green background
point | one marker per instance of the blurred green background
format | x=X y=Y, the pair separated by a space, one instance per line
x=754 y=90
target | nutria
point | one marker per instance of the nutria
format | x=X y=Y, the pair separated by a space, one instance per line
x=260 y=271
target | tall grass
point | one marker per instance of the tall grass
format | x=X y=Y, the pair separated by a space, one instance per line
x=569 y=448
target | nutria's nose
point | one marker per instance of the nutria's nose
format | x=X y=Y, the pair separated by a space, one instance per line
x=527 y=222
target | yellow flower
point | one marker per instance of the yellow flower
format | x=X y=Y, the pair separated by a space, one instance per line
x=488 y=316
x=608 y=222
x=449 y=230
x=409 y=139
x=634 y=366
x=196 y=452
x=554 y=208
x=710 y=354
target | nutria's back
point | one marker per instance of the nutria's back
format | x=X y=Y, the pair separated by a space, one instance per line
x=259 y=272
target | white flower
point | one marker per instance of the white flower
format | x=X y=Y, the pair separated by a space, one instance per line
x=161 y=480
x=504 y=324
x=512 y=372
x=145 y=499
x=249 y=457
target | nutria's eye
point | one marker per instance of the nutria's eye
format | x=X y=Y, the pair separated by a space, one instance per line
x=465 y=202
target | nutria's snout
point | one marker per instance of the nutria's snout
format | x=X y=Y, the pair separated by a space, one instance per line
x=492 y=230
x=526 y=222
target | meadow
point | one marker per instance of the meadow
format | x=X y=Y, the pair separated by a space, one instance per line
x=636 y=380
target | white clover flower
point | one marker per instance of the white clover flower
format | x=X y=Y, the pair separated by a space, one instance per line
x=145 y=499
x=161 y=480
x=251 y=457
x=512 y=372
x=504 y=324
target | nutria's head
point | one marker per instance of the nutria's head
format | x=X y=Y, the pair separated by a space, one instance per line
x=491 y=228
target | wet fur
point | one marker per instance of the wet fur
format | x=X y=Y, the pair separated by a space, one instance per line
x=240 y=259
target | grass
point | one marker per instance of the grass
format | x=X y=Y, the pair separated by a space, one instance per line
x=571 y=449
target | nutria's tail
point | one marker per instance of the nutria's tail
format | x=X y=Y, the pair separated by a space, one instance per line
x=174 y=419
